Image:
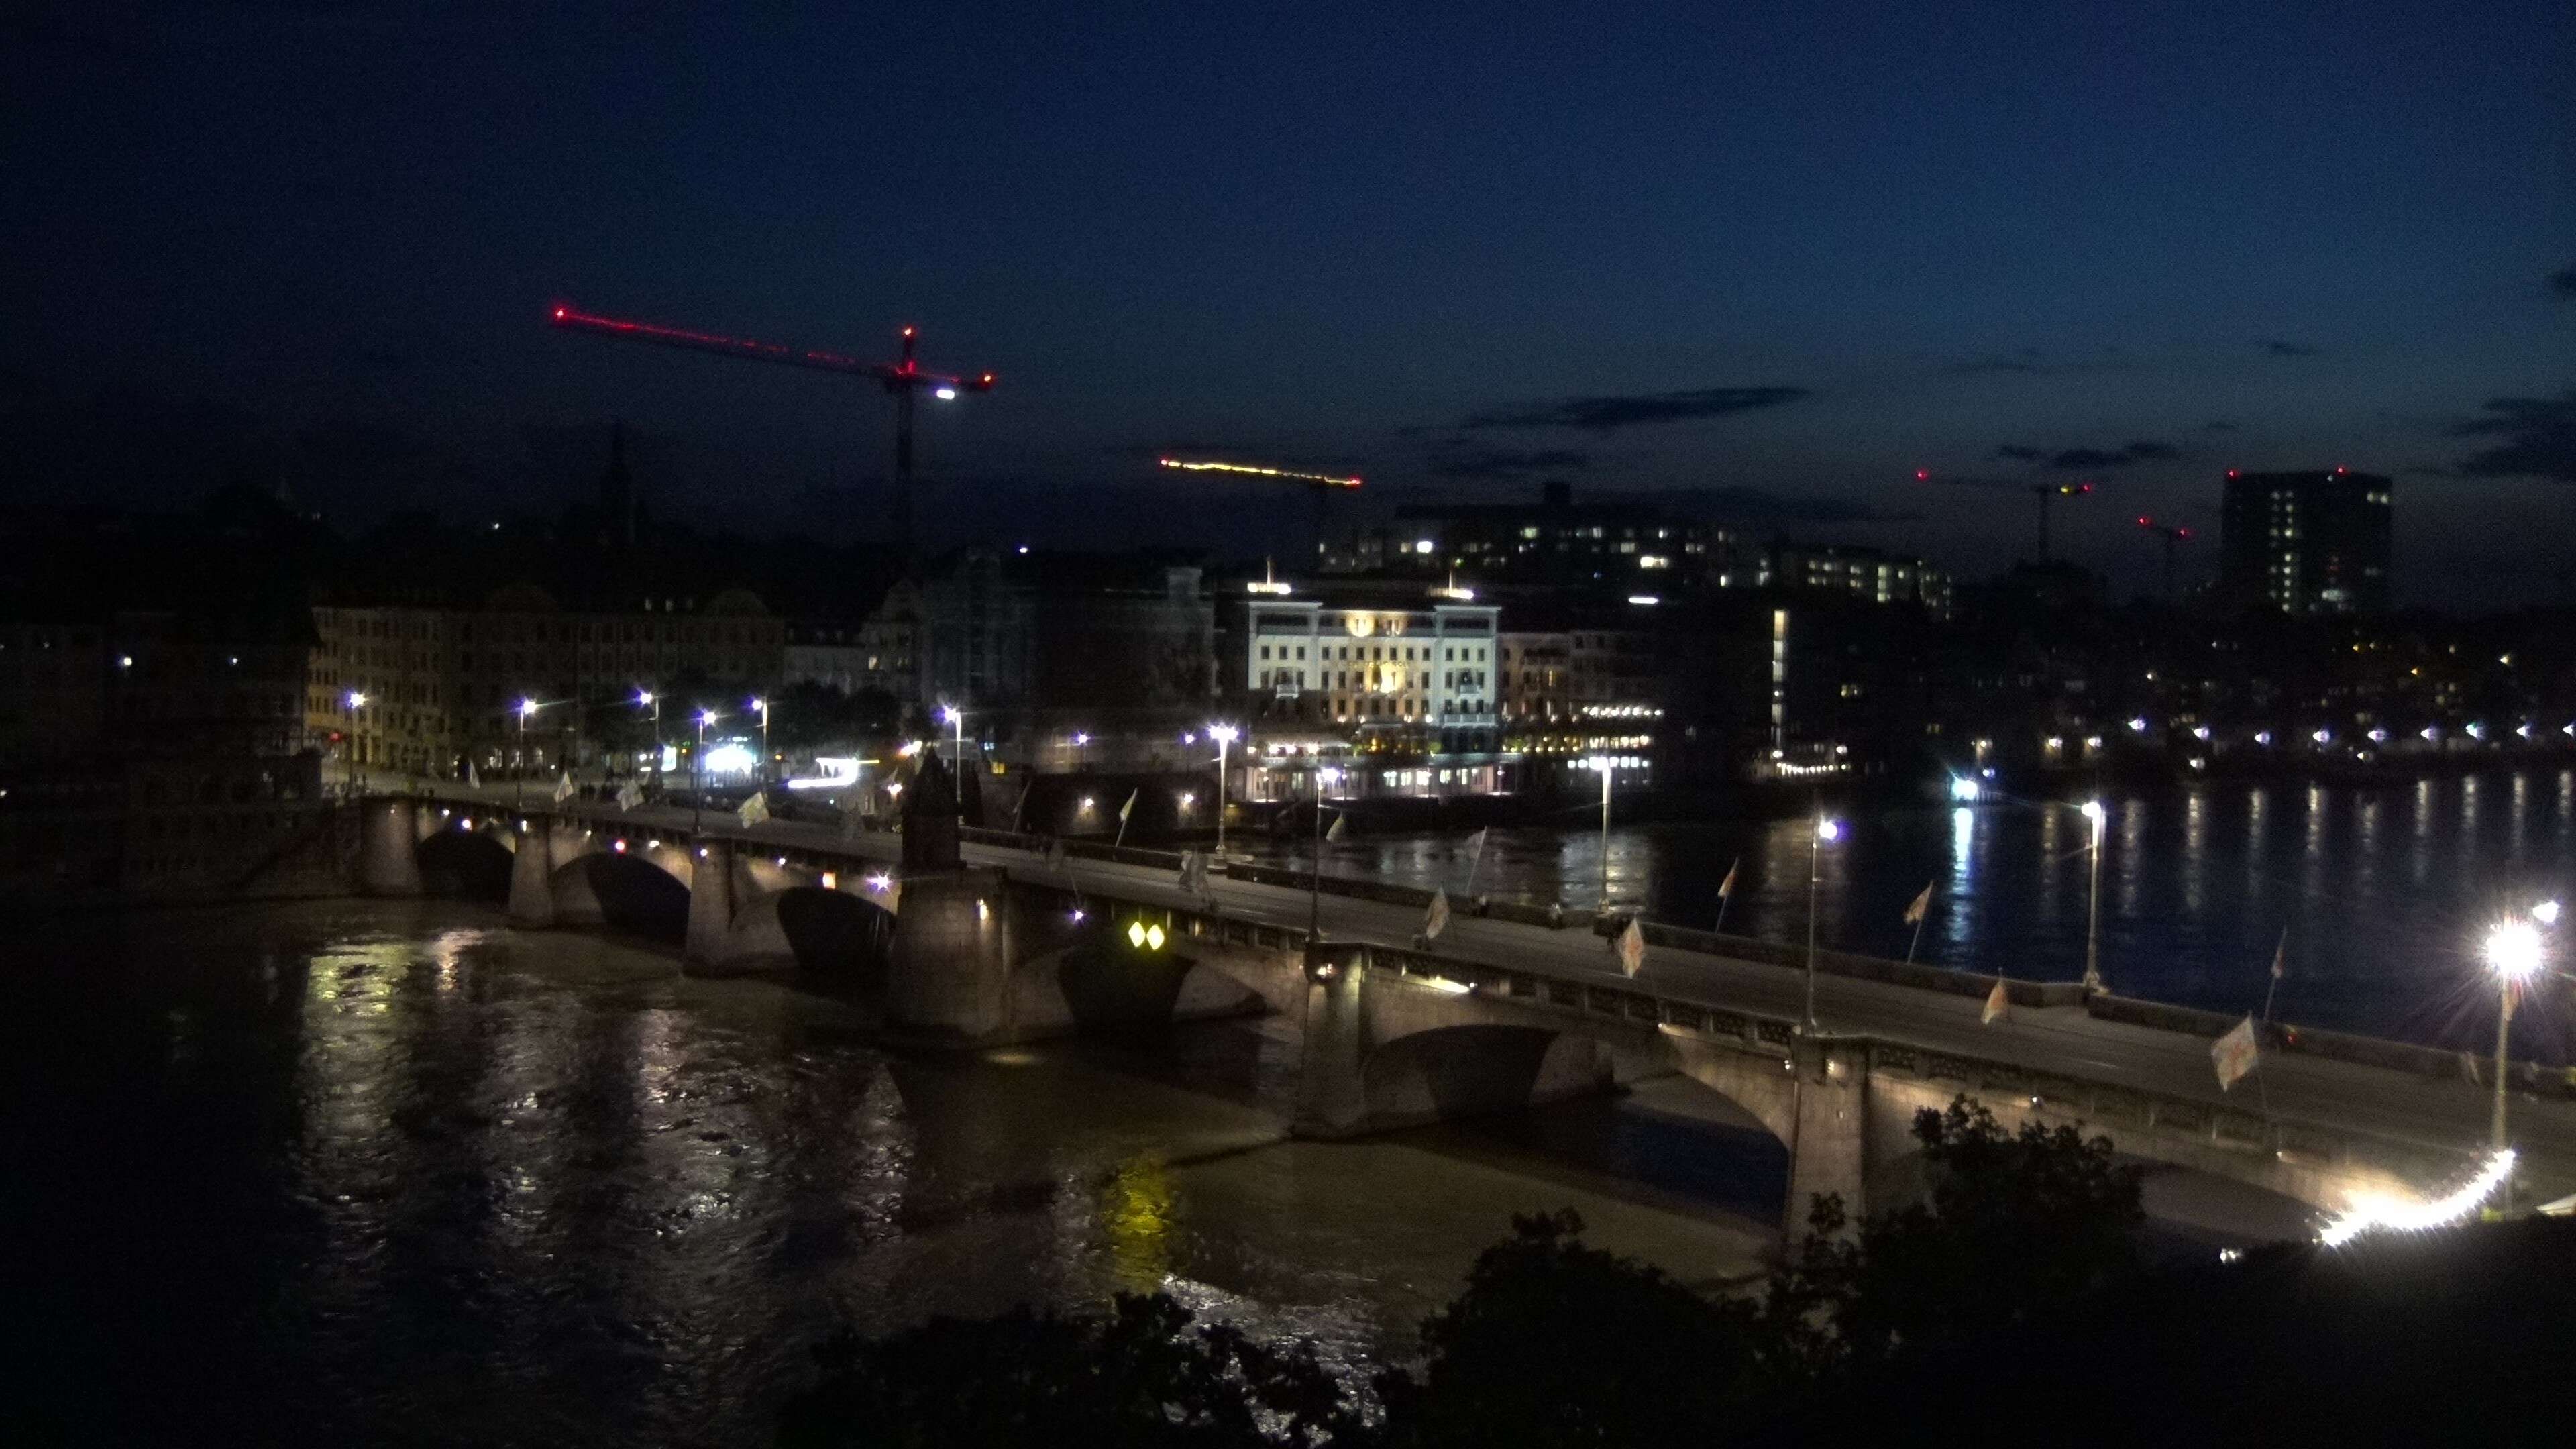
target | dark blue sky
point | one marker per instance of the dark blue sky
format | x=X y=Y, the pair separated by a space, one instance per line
x=1789 y=256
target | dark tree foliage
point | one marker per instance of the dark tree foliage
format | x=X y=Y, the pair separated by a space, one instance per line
x=1556 y=1343
x=2014 y=1225
x=1142 y=1375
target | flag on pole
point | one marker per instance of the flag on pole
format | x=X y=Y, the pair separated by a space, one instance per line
x=1436 y=919
x=2235 y=1054
x=1923 y=903
x=1476 y=846
x=2280 y=957
x=755 y=808
x=629 y=795
x=1334 y=830
x=1726 y=887
x=1130 y=805
x=1055 y=855
x=1998 y=1005
x=1632 y=947
x=1194 y=873
x=469 y=774
x=563 y=787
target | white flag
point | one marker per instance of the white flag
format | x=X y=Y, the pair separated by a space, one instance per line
x=469 y=774
x=1998 y=1005
x=2281 y=956
x=1476 y=846
x=629 y=795
x=1130 y=805
x=1726 y=887
x=1055 y=855
x=1632 y=947
x=1193 y=872
x=1436 y=919
x=1922 y=903
x=2235 y=1053
x=1334 y=830
x=563 y=787
x=755 y=808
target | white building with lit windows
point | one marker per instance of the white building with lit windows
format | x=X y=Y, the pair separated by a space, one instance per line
x=1396 y=689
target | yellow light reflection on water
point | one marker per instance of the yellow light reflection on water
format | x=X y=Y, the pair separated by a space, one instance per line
x=1136 y=1210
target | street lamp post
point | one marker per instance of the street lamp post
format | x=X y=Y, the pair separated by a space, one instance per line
x=1324 y=775
x=955 y=719
x=519 y=777
x=2514 y=953
x=1603 y=764
x=1827 y=830
x=2094 y=813
x=697 y=791
x=357 y=700
x=1081 y=750
x=649 y=698
x=763 y=706
x=1224 y=735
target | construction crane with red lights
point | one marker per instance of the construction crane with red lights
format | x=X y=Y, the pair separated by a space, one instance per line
x=1325 y=485
x=2046 y=493
x=903 y=378
x=2174 y=536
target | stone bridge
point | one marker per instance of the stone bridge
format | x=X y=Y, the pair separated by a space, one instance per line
x=1397 y=1037
x=1393 y=1037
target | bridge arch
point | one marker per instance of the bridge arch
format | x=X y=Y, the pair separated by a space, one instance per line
x=622 y=891
x=1443 y=1072
x=472 y=864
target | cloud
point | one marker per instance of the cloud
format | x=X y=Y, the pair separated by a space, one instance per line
x=1452 y=459
x=1602 y=414
x=2563 y=281
x=2278 y=348
x=2539 y=439
x=2089 y=459
x=2219 y=425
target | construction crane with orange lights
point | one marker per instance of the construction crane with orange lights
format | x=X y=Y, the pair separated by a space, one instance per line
x=1325 y=485
x=903 y=378
x=2046 y=493
x=2174 y=535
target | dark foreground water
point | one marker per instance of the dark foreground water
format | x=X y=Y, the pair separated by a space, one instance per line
x=2383 y=892
x=356 y=1173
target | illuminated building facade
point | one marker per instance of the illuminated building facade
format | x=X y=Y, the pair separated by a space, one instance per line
x=2307 y=543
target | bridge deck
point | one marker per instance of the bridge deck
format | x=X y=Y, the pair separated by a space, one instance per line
x=2436 y=1115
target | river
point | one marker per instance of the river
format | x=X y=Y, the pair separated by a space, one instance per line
x=378 y=1172
x=2383 y=892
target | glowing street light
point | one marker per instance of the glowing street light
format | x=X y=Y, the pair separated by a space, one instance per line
x=2514 y=953
x=697 y=789
x=762 y=705
x=2546 y=913
x=647 y=699
x=1224 y=735
x=1827 y=831
x=2099 y=817
x=519 y=777
x=955 y=719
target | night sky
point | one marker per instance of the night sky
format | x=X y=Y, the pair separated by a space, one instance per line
x=1783 y=255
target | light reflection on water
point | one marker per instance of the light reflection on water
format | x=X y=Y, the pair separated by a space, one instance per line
x=355 y=1172
x=2382 y=889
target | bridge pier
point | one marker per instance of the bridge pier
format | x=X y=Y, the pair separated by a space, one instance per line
x=710 y=902
x=950 y=977
x=1829 y=1153
x=532 y=893
x=388 y=846
x=1332 y=1095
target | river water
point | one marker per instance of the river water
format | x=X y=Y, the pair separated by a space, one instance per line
x=2383 y=892
x=372 y=1172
